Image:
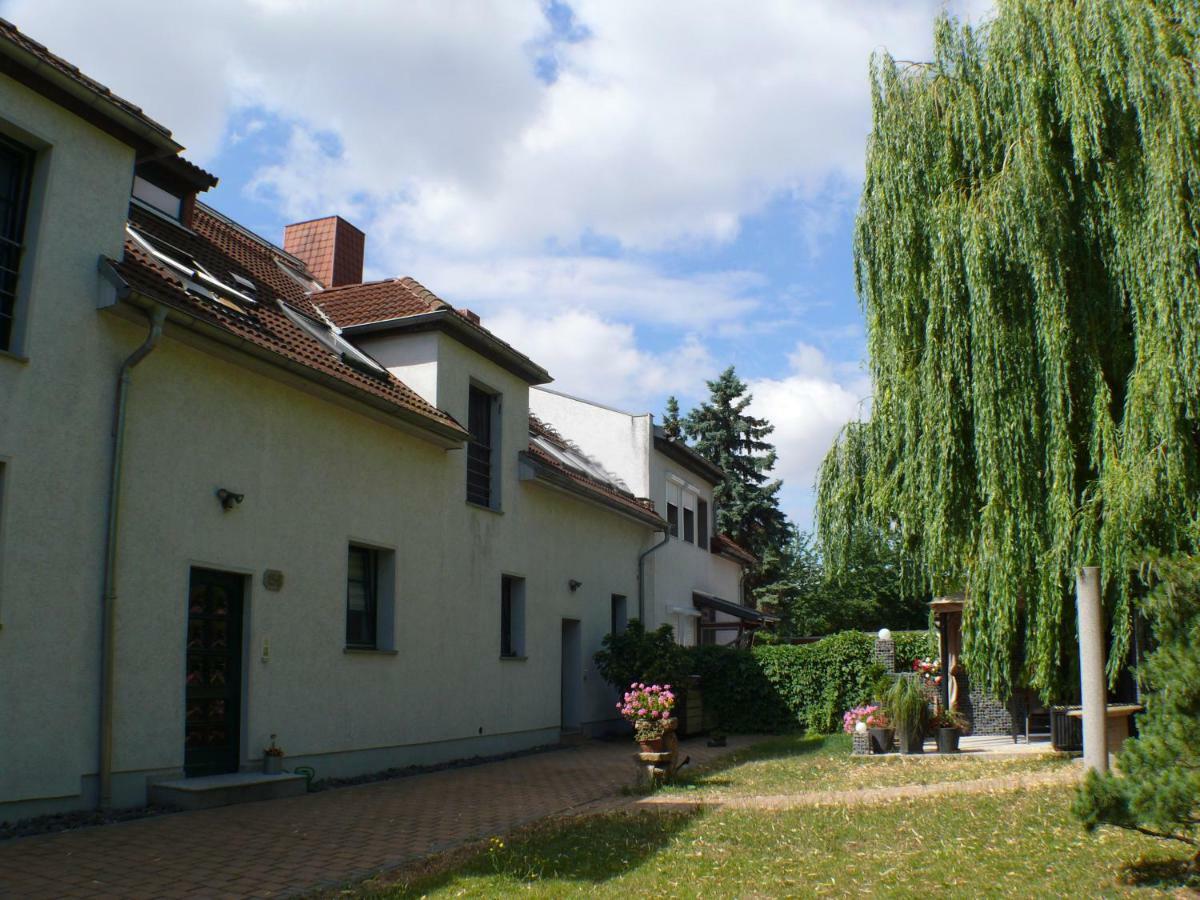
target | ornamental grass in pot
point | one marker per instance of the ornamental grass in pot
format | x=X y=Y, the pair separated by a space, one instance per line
x=648 y=708
x=948 y=725
x=909 y=713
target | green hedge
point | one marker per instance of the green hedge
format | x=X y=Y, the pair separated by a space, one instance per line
x=772 y=688
x=912 y=645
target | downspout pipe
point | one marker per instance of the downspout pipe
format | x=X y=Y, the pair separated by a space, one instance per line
x=666 y=536
x=109 y=600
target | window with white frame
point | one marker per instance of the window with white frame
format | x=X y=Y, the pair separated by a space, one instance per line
x=689 y=516
x=674 y=501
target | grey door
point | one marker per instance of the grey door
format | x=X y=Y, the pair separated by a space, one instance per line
x=572 y=675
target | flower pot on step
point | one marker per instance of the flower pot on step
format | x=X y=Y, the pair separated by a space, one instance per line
x=272 y=765
x=947 y=740
x=881 y=739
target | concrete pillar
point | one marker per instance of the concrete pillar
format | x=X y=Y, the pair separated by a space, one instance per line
x=1091 y=668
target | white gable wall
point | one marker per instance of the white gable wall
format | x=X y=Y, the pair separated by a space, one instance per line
x=620 y=441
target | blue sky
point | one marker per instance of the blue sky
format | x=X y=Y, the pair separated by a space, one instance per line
x=636 y=194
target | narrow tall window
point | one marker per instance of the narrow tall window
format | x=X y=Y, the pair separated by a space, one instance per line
x=620 y=614
x=512 y=617
x=674 y=498
x=481 y=447
x=16 y=173
x=702 y=524
x=689 y=517
x=362 y=598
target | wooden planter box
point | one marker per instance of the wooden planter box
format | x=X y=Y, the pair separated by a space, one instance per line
x=689 y=710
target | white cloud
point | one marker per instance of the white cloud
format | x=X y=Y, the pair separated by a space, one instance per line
x=668 y=123
x=609 y=288
x=601 y=360
x=808 y=407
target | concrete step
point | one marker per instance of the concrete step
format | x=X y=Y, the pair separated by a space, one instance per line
x=223 y=790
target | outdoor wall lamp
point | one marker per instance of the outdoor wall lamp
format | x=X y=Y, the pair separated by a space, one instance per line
x=574 y=585
x=229 y=499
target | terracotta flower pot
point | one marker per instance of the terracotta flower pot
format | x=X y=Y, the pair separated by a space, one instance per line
x=653 y=745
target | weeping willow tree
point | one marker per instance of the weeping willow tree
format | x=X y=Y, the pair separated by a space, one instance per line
x=1027 y=254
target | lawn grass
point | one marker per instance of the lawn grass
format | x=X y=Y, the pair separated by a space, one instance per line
x=1014 y=843
x=797 y=763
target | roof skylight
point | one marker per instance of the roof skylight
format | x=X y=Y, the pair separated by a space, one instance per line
x=576 y=460
x=197 y=279
x=331 y=336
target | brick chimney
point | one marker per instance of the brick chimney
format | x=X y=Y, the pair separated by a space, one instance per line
x=332 y=249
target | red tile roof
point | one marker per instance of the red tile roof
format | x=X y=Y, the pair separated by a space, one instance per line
x=378 y=301
x=225 y=249
x=727 y=546
x=358 y=306
x=608 y=492
x=13 y=35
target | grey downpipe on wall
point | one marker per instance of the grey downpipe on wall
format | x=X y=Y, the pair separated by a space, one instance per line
x=109 y=600
x=642 y=574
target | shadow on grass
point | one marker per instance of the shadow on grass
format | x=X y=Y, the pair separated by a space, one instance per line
x=1161 y=872
x=592 y=849
x=792 y=746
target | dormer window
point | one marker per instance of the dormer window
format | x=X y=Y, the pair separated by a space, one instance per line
x=157 y=198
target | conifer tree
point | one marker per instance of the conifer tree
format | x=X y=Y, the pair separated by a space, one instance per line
x=1158 y=789
x=672 y=424
x=725 y=434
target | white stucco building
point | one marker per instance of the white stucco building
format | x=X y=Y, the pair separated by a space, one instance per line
x=244 y=495
x=693 y=579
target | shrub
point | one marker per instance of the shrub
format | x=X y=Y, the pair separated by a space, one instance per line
x=640 y=655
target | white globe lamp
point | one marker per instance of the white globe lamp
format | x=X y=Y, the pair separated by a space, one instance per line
x=860 y=726
x=885 y=634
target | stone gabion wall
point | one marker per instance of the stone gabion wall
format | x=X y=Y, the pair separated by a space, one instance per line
x=862 y=744
x=885 y=652
x=987 y=714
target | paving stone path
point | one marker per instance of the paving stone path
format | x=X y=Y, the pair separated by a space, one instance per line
x=285 y=847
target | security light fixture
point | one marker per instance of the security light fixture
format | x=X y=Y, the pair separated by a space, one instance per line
x=574 y=585
x=229 y=499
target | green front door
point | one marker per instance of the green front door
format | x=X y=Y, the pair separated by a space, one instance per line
x=213 y=692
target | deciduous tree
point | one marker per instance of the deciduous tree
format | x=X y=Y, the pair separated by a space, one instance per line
x=1027 y=257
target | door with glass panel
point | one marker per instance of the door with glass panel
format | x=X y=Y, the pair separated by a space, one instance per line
x=213 y=687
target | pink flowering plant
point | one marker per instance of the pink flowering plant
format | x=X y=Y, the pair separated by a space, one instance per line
x=851 y=717
x=647 y=707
